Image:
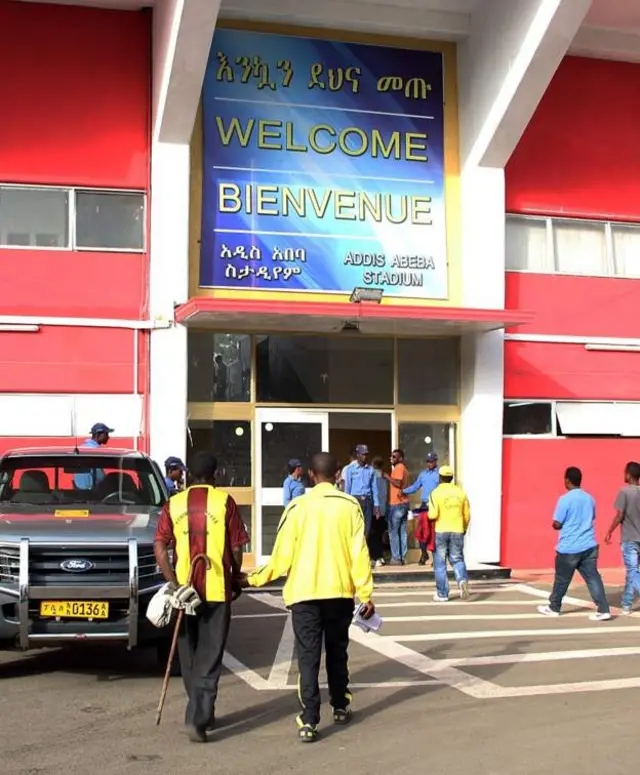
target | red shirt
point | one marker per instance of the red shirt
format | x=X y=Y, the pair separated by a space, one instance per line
x=236 y=536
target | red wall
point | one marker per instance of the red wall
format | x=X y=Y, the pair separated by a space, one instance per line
x=75 y=96
x=62 y=359
x=579 y=157
x=533 y=480
x=569 y=371
x=8 y=443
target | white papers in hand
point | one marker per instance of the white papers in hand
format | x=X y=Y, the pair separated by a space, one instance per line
x=373 y=623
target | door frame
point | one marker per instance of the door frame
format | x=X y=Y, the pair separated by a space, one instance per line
x=266 y=496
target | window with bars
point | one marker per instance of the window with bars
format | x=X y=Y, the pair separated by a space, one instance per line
x=572 y=246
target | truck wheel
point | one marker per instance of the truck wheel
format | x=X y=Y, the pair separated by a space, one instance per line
x=162 y=653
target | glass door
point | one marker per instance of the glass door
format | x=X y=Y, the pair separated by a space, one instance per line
x=282 y=434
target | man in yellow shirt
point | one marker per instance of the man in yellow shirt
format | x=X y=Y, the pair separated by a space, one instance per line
x=449 y=510
x=322 y=547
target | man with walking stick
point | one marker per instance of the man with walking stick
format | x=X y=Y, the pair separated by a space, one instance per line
x=203 y=527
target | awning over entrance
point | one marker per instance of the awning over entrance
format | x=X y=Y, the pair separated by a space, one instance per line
x=321 y=317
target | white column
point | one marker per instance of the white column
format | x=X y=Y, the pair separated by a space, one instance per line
x=168 y=286
x=182 y=35
x=483 y=240
x=505 y=66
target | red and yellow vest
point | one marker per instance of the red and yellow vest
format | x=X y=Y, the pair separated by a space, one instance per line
x=207 y=506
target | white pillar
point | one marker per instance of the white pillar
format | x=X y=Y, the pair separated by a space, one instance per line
x=168 y=286
x=182 y=35
x=483 y=238
x=504 y=68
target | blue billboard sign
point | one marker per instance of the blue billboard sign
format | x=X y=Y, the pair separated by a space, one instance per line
x=323 y=167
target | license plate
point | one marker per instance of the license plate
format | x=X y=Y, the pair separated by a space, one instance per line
x=74 y=609
x=71 y=514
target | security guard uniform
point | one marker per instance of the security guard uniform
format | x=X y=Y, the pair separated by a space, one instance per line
x=203 y=520
x=321 y=547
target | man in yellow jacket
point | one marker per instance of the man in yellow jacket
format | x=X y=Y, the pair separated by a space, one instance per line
x=322 y=548
x=449 y=510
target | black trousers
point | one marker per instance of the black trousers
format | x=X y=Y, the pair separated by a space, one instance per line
x=201 y=645
x=313 y=621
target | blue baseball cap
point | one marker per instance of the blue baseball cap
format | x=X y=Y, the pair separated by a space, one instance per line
x=362 y=449
x=432 y=457
x=294 y=463
x=100 y=427
x=174 y=462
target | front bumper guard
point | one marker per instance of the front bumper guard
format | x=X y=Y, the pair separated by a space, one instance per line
x=28 y=592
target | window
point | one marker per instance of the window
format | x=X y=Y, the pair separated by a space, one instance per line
x=230 y=442
x=109 y=221
x=29 y=216
x=580 y=248
x=428 y=371
x=219 y=367
x=526 y=245
x=527 y=418
x=595 y=419
x=626 y=249
x=324 y=370
x=417 y=439
x=572 y=246
x=70 y=219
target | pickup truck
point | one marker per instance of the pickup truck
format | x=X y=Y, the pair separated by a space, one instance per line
x=76 y=547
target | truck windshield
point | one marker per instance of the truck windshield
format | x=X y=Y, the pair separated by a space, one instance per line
x=51 y=482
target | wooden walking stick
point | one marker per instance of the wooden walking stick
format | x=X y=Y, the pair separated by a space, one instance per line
x=165 y=685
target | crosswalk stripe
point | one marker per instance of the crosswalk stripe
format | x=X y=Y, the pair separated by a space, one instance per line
x=497 y=617
x=542 y=656
x=598 y=629
x=453 y=604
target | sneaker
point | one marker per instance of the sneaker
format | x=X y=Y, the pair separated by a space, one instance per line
x=626 y=610
x=438 y=599
x=307 y=733
x=598 y=617
x=546 y=611
x=342 y=716
x=379 y=563
x=197 y=734
x=396 y=562
x=464 y=590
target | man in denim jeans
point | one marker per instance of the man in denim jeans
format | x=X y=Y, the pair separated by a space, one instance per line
x=398 y=508
x=577 y=549
x=449 y=511
x=627 y=507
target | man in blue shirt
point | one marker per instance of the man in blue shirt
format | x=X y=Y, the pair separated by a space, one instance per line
x=292 y=486
x=99 y=437
x=360 y=482
x=174 y=479
x=427 y=481
x=577 y=548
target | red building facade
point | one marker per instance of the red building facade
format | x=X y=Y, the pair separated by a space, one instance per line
x=78 y=126
x=577 y=164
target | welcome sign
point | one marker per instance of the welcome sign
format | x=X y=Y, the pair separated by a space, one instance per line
x=323 y=167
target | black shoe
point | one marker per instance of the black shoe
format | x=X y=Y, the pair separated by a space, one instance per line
x=342 y=716
x=307 y=733
x=422 y=560
x=212 y=724
x=197 y=734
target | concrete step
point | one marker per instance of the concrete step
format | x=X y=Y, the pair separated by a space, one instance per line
x=416 y=574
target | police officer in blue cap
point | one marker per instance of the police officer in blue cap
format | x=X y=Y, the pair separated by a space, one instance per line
x=292 y=486
x=99 y=437
x=175 y=470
